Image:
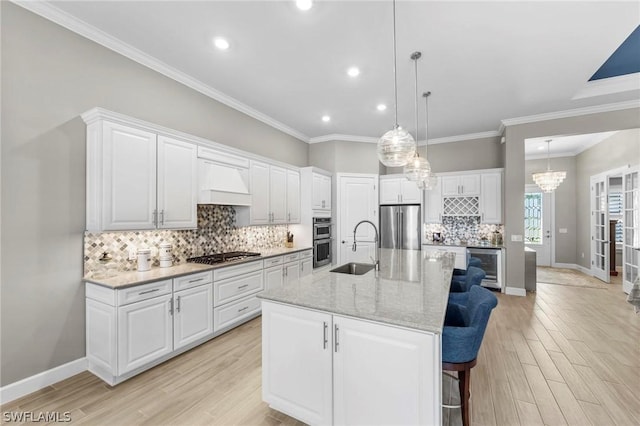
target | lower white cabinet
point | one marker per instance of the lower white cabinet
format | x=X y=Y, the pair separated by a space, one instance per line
x=193 y=317
x=273 y=277
x=306 y=267
x=329 y=369
x=131 y=329
x=291 y=272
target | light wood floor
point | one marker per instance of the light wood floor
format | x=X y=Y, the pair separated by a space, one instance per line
x=563 y=355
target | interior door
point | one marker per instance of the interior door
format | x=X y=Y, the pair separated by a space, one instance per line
x=631 y=233
x=600 y=227
x=537 y=223
x=357 y=200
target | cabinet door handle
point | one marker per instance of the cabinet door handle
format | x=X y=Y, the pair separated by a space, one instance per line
x=243 y=309
x=289 y=217
x=171 y=306
x=178 y=304
x=325 y=334
x=162 y=217
x=243 y=286
x=155 y=218
x=196 y=280
x=149 y=291
x=336 y=330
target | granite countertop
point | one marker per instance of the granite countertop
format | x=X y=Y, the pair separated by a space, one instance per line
x=468 y=244
x=131 y=278
x=410 y=290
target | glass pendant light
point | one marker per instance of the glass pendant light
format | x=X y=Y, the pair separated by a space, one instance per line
x=418 y=168
x=397 y=146
x=548 y=181
x=431 y=180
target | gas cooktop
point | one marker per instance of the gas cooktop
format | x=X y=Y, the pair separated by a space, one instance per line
x=214 y=259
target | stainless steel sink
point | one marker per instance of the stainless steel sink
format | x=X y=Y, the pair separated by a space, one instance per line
x=354 y=268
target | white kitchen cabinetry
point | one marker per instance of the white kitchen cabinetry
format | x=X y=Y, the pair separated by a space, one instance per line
x=460 y=252
x=491 y=198
x=293 y=196
x=138 y=180
x=433 y=204
x=398 y=190
x=145 y=332
x=275 y=194
x=461 y=185
x=317 y=367
x=235 y=289
x=273 y=277
x=306 y=263
x=296 y=362
x=321 y=189
x=132 y=329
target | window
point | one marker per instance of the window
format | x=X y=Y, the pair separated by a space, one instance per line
x=533 y=218
x=615 y=212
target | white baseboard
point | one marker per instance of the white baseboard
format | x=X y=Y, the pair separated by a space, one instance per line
x=41 y=380
x=584 y=270
x=515 y=291
x=565 y=265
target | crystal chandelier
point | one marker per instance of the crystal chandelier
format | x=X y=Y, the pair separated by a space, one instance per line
x=418 y=168
x=548 y=181
x=430 y=180
x=397 y=146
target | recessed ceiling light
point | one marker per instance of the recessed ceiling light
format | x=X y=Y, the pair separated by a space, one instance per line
x=221 y=43
x=540 y=148
x=326 y=118
x=353 y=72
x=381 y=107
x=304 y=4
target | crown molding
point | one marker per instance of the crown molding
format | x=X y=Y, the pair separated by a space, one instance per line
x=460 y=138
x=346 y=138
x=606 y=86
x=545 y=156
x=571 y=113
x=52 y=13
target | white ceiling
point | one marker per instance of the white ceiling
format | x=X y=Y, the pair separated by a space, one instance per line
x=562 y=146
x=483 y=61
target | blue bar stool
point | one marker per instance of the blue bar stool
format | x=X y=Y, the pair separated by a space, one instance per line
x=464 y=327
x=463 y=283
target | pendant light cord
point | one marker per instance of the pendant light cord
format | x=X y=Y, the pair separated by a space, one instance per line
x=395 y=74
x=549 y=155
x=426 y=123
x=415 y=56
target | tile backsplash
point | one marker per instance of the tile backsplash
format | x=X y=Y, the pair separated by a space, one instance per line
x=216 y=233
x=466 y=228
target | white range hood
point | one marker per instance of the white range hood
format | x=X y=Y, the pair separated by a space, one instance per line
x=223 y=184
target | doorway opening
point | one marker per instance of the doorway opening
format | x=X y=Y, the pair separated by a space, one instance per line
x=538 y=224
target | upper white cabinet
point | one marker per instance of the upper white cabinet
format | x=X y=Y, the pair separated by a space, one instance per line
x=461 y=185
x=177 y=184
x=491 y=198
x=270 y=194
x=399 y=190
x=138 y=180
x=433 y=204
x=293 y=196
x=321 y=190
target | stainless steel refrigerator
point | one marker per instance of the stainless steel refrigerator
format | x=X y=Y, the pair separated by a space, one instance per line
x=400 y=227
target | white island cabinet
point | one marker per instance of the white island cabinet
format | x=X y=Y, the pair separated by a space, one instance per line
x=340 y=349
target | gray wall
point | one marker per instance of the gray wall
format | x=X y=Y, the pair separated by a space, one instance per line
x=515 y=171
x=565 y=205
x=474 y=154
x=49 y=77
x=619 y=150
x=346 y=157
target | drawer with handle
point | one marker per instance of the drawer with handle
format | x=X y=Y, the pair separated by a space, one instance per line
x=306 y=254
x=273 y=261
x=227 y=315
x=143 y=292
x=234 y=288
x=192 y=280
x=291 y=257
x=233 y=271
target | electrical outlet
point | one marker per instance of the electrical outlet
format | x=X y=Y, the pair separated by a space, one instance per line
x=563 y=230
x=516 y=238
x=133 y=253
x=582 y=255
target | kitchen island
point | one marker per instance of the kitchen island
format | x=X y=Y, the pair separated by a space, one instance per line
x=359 y=349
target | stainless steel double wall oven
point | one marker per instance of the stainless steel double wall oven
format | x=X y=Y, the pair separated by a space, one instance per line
x=321 y=241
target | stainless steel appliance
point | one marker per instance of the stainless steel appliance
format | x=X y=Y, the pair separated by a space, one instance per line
x=214 y=259
x=400 y=227
x=321 y=241
x=491 y=259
